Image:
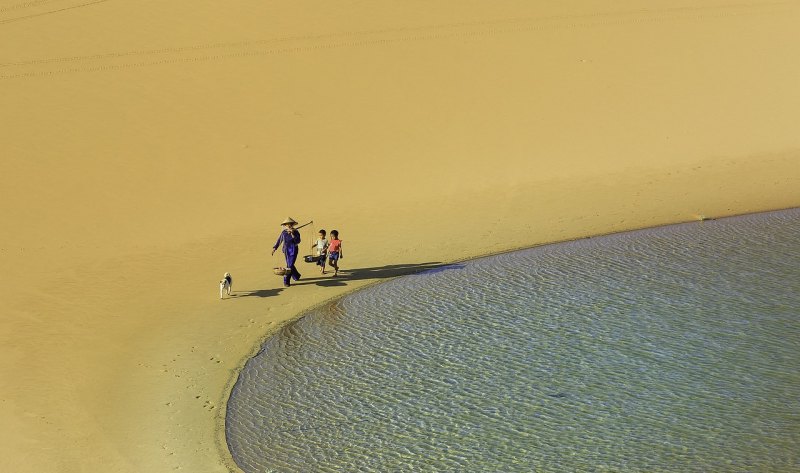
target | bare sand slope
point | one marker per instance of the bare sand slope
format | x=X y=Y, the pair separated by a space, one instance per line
x=148 y=147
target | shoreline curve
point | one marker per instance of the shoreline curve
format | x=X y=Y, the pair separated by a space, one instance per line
x=130 y=188
x=220 y=431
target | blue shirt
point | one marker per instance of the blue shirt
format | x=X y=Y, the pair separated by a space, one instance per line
x=290 y=242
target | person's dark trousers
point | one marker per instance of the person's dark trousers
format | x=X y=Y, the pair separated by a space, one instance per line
x=294 y=274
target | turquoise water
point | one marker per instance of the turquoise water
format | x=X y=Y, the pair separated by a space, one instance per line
x=669 y=349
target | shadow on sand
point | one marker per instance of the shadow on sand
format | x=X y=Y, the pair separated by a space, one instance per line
x=329 y=280
x=257 y=293
x=379 y=272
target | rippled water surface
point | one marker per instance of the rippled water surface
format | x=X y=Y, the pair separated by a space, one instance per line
x=670 y=349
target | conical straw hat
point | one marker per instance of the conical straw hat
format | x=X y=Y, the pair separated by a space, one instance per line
x=289 y=221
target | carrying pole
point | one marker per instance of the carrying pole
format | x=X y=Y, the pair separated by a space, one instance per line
x=304 y=225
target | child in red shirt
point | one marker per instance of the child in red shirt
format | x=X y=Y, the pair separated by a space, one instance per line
x=335 y=251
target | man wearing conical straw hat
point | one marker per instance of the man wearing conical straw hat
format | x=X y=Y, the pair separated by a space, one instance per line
x=290 y=238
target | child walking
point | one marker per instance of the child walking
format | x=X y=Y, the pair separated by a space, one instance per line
x=335 y=251
x=321 y=246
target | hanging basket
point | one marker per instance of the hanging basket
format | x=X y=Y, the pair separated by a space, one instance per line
x=311 y=258
x=281 y=271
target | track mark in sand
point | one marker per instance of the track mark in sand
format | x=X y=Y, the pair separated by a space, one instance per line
x=356 y=34
x=207 y=404
x=20 y=6
x=50 y=12
x=421 y=33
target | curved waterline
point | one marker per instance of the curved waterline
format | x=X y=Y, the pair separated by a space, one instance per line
x=664 y=349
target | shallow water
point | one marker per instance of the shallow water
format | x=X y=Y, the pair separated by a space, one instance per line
x=669 y=349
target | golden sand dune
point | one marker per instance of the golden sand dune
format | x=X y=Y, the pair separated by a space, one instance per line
x=148 y=147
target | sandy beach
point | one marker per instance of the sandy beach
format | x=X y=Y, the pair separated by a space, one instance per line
x=149 y=147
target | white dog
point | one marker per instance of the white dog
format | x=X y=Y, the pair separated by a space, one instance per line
x=225 y=285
